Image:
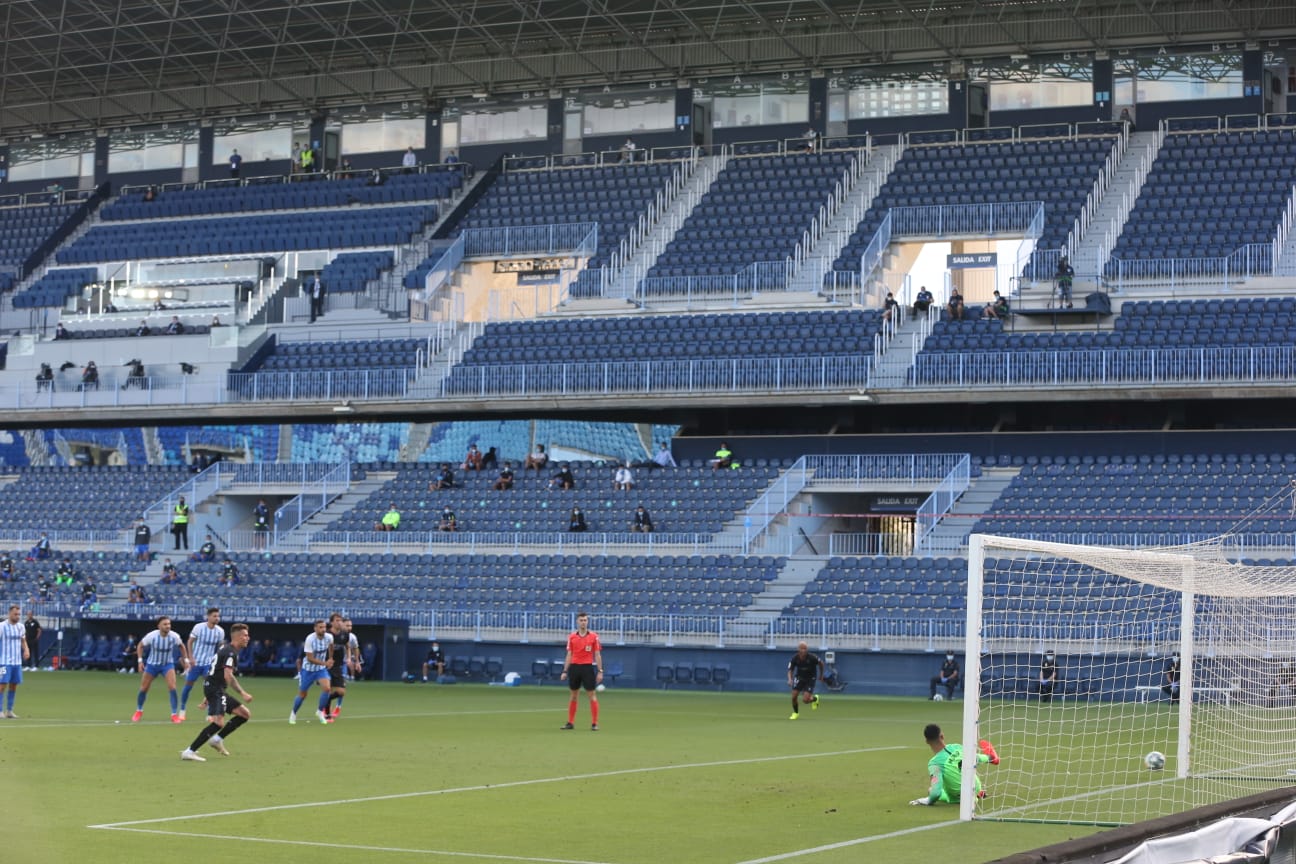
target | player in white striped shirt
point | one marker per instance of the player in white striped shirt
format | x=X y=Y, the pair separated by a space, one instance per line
x=13 y=654
x=204 y=639
x=157 y=658
x=315 y=664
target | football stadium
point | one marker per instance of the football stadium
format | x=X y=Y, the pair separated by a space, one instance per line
x=648 y=431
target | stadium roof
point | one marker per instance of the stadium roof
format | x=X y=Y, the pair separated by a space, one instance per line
x=78 y=64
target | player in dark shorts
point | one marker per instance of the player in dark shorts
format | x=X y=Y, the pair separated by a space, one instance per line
x=223 y=675
x=340 y=651
x=804 y=669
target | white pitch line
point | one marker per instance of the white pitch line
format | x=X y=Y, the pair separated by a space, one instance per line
x=64 y=723
x=357 y=848
x=491 y=786
x=814 y=850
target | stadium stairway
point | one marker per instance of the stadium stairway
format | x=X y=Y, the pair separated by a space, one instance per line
x=796 y=574
x=897 y=357
x=337 y=508
x=1098 y=239
x=950 y=535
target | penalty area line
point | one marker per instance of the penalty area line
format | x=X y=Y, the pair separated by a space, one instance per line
x=351 y=847
x=513 y=784
x=858 y=841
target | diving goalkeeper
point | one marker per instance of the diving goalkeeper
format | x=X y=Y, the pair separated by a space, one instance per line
x=945 y=768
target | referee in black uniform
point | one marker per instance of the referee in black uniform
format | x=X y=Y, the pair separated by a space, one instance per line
x=223 y=674
x=804 y=669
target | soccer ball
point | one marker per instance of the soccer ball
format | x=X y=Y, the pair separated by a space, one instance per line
x=938 y=698
x=1154 y=760
x=600 y=688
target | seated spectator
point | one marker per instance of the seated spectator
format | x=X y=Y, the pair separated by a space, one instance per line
x=472 y=460
x=66 y=573
x=61 y=333
x=150 y=195
x=505 y=480
x=923 y=300
x=229 y=573
x=216 y=321
x=127 y=660
x=44 y=590
x=8 y=572
x=537 y=460
x=889 y=306
x=159 y=306
x=947 y=677
x=564 y=479
x=443 y=479
x=623 y=479
x=435 y=660
x=89 y=594
x=89 y=376
x=45 y=378
x=390 y=521
x=449 y=522
x=175 y=328
x=170 y=575
x=41 y=551
x=576 y=522
x=136 y=593
x=206 y=552
x=142 y=329
x=663 y=457
x=811 y=138
x=376 y=178
x=490 y=460
x=723 y=457
x=996 y=308
x=641 y=522
x=955 y=305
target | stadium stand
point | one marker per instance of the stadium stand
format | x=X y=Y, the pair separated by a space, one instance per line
x=898 y=596
x=351 y=271
x=55 y=287
x=24 y=229
x=348 y=442
x=449 y=441
x=84 y=498
x=350 y=355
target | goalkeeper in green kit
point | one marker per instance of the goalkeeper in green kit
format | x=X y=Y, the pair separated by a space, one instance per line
x=945 y=768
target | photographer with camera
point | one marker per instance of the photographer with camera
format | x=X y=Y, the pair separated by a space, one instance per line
x=45 y=378
x=135 y=377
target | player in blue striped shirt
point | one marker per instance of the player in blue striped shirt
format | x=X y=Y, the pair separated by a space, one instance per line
x=157 y=658
x=315 y=665
x=13 y=654
x=204 y=639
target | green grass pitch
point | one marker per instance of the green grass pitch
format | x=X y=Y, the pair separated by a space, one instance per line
x=473 y=773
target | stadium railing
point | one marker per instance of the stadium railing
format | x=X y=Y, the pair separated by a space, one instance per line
x=495 y=542
x=577 y=238
x=1252 y=259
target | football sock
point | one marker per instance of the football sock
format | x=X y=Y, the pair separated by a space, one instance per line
x=184 y=695
x=175 y=705
x=323 y=701
x=571 y=710
x=796 y=708
x=297 y=703
x=232 y=725
x=139 y=700
x=338 y=700
x=9 y=699
x=593 y=710
x=204 y=736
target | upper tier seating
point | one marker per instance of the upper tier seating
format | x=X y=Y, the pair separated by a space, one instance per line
x=261 y=438
x=679 y=500
x=305 y=194
x=351 y=271
x=348 y=442
x=1208 y=194
x=449 y=441
x=55 y=287
x=80 y=498
x=23 y=229
x=1059 y=173
x=757 y=210
x=128 y=441
x=616 y=441
x=324 y=229
x=350 y=355
x=361 y=583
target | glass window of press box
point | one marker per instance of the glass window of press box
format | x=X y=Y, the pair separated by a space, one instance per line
x=54 y=158
x=489 y=123
x=1177 y=77
x=756 y=102
x=153 y=149
x=1020 y=85
x=871 y=98
x=614 y=113
x=257 y=141
x=383 y=130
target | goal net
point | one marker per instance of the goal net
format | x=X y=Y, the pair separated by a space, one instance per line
x=1073 y=745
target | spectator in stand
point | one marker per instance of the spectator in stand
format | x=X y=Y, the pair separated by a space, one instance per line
x=623 y=479
x=1064 y=277
x=206 y=552
x=89 y=376
x=996 y=308
x=1126 y=117
x=143 y=537
x=663 y=458
x=452 y=158
x=472 y=459
x=537 y=460
x=344 y=168
x=216 y=321
x=889 y=306
x=135 y=592
x=444 y=479
x=923 y=300
x=229 y=573
x=505 y=480
x=390 y=520
x=89 y=594
x=955 y=305
x=409 y=161
x=61 y=333
x=576 y=521
x=175 y=328
x=8 y=572
x=150 y=195
x=41 y=551
x=449 y=522
x=170 y=575
x=628 y=151
x=143 y=329
x=158 y=305
x=564 y=479
x=260 y=523
x=641 y=522
x=44 y=590
x=811 y=137
x=723 y=458
x=66 y=573
x=235 y=161
x=490 y=460
x=435 y=661
x=45 y=378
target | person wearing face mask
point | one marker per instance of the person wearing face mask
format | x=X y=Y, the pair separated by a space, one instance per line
x=948 y=677
x=435 y=660
x=1048 y=676
x=1171 y=685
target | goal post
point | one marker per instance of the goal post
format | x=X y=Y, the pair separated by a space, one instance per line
x=1112 y=621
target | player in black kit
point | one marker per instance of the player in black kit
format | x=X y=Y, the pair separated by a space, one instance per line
x=222 y=675
x=341 y=654
x=804 y=669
